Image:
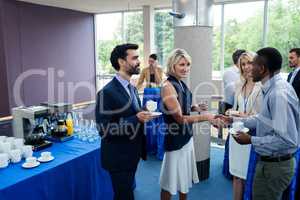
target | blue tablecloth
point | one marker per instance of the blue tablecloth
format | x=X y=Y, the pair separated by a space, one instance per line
x=250 y=175
x=156 y=128
x=225 y=170
x=75 y=173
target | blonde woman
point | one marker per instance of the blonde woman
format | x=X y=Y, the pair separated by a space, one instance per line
x=247 y=102
x=178 y=171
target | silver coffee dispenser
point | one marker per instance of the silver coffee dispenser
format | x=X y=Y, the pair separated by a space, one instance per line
x=31 y=123
x=26 y=119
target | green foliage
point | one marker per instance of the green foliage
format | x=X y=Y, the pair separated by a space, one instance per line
x=133 y=33
x=283 y=32
x=104 y=50
x=164 y=35
x=284 y=27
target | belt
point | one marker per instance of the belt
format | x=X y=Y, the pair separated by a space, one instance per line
x=276 y=159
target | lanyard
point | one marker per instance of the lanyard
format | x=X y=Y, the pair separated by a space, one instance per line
x=246 y=99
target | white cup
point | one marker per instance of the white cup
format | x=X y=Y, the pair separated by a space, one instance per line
x=18 y=143
x=2 y=138
x=238 y=126
x=27 y=151
x=151 y=105
x=15 y=155
x=31 y=160
x=4 y=160
x=1 y=143
x=6 y=147
x=46 y=154
x=11 y=140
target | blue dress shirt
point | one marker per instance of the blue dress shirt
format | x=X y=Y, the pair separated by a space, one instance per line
x=277 y=124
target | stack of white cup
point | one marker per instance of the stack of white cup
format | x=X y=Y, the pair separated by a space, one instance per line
x=12 y=150
x=27 y=151
x=4 y=160
x=4 y=152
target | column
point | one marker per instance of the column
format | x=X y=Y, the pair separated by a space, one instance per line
x=148 y=24
x=194 y=34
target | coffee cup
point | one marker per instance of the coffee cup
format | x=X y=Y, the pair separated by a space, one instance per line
x=11 y=140
x=31 y=160
x=27 y=151
x=4 y=160
x=46 y=155
x=238 y=126
x=151 y=105
x=6 y=147
x=2 y=138
x=1 y=143
x=18 y=143
x=15 y=155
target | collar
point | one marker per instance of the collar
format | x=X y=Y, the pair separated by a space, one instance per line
x=269 y=83
x=296 y=70
x=123 y=81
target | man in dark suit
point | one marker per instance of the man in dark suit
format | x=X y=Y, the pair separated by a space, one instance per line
x=294 y=79
x=120 y=122
x=294 y=76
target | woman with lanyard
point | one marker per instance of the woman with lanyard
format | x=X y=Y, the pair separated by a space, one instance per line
x=247 y=101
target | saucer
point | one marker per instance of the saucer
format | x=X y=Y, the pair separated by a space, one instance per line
x=155 y=113
x=28 y=165
x=41 y=159
x=4 y=166
x=234 y=132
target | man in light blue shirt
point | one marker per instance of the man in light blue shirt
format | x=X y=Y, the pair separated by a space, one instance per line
x=277 y=128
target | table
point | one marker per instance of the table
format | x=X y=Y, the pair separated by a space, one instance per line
x=75 y=173
x=156 y=128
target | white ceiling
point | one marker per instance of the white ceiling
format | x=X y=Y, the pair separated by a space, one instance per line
x=100 y=6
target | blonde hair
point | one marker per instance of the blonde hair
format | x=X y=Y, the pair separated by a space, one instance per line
x=174 y=58
x=249 y=56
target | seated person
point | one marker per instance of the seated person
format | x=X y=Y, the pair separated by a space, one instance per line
x=153 y=74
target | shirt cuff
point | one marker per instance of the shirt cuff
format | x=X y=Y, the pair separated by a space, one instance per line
x=237 y=119
x=255 y=141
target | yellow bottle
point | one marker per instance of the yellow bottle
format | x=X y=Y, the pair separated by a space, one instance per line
x=69 y=124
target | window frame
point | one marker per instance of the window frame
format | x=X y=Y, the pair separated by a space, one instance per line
x=218 y=74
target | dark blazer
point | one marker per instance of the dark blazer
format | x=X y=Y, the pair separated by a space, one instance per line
x=123 y=140
x=296 y=83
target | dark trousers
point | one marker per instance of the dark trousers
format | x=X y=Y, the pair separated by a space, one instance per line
x=272 y=178
x=122 y=184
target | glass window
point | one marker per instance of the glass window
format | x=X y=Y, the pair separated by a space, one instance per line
x=283 y=29
x=243 y=28
x=134 y=31
x=217 y=10
x=164 y=35
x=109 y=34
x=114 y=29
